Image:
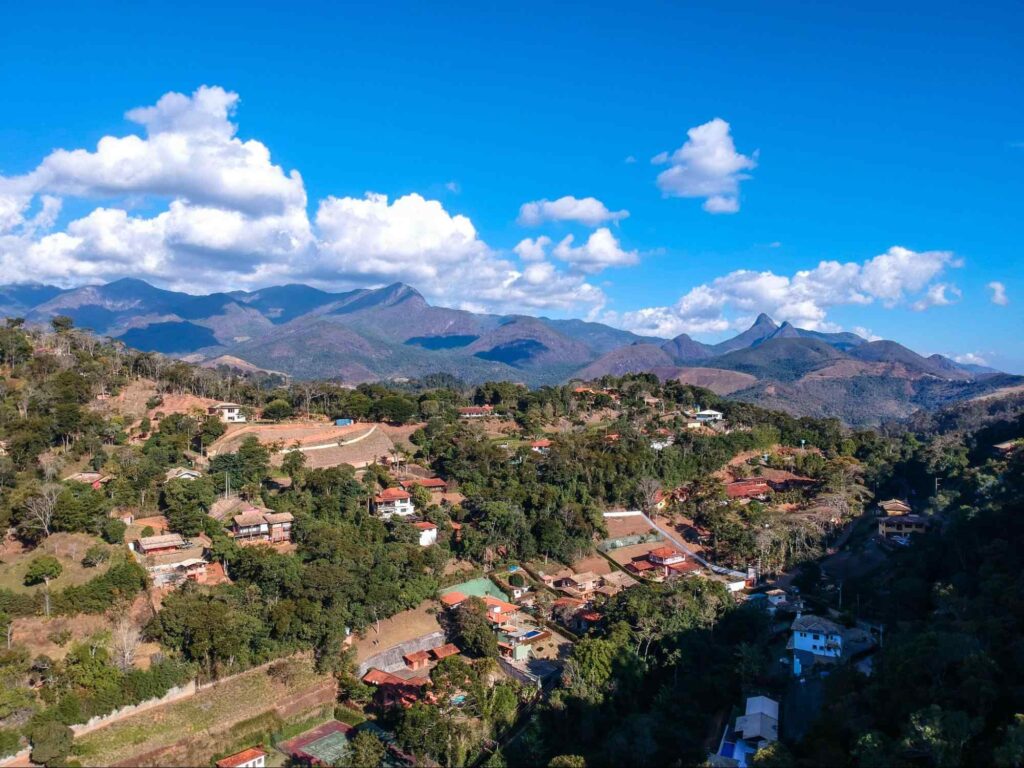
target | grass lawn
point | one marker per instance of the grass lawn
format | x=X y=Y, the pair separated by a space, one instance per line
x=69 y=548
x=240 y=698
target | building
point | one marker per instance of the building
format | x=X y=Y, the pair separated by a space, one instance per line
x=229 y=413
x=432 y=484
x=754 y=730
x=540 y=446
x=902 y=525
x=253 y=757
x=662 y=563
x=94 y=479
x=182 y=473
x=428 y=533
x=256 y=525
x=748 y=488
x=393 y=501
x=895 y=507
x=154 y=545
x=579 y=585
x=476 y=412
x=814 y=638
x=707 y=415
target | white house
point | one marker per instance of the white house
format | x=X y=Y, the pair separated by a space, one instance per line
x=229 y=413
x=428 y=533
x=708 y=415
x=393 y=501
x=754 y=730
x=814 y=638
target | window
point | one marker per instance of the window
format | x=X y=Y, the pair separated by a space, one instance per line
x=816 y=637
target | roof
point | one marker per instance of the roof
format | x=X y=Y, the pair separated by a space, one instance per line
x=758 y=726
x=240 y=758
x=391 y=494
x=641 y=564
x=164 y=540
x=425 y=482
x=570 y=601
x=416 y=657
x=542 y=443
x=248 y=518
x=685 y=567
x=820 y=624
x=664 y=552
x=471 y=409
x=225 y=405
x=279 y=517
x=444 y=651
x=425 y=526
x=764 y=705
x=585 y=576
x=743 y=489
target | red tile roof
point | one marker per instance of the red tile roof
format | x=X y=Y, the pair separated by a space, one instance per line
x=542 y=443
x=452 y=598
x=664 y=552
x=240 y=758
x=444 y=651
x=416 y=657
x=426 y=482
x=641 y=565
x=392 y=494
x=425 y=526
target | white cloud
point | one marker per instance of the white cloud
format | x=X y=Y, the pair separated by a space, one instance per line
x=221 y=215
x=937 y=295
x=601 y=250
x=804 y=298
x=707 y=166
x=453 y=186
x=998 y=293
x=530 y=249
x=970 y=358
x=586 y=210
x=630 y=159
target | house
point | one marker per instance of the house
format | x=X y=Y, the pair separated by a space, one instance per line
x=895 y=507
x=579 y=585
x=902 y=525
x=229 y=413
x=1004 y=449
x=393 y=690
x=749 y=488
x=665 y=556
x=257 y=525
x=153 y=545
x=707 y=415
x=814 y=639
x=253 y=757
x=432 y=484
x=428 y=533
x=662 y=563
x=476 y=412
x=95 y=479
x=393 y=501
x=540 y=446
x=754 y=730
x=182 y=473
x=417 y=660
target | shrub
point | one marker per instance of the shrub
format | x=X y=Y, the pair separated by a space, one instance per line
x=95 y=555
x=114 y=530
x=43 y=568
x=51 y=741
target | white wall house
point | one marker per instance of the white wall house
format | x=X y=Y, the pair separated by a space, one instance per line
x=428 y=533
x=393 y=501
x=817 y=635
x=229 y=413
x=708 y=415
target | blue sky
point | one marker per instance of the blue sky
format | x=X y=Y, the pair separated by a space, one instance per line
x=873 y=128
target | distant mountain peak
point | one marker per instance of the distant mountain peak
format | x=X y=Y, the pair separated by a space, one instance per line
x=763 y=320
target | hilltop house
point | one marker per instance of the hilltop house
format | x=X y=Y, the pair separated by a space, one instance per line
x=476 y=412
x=257 y=525
x=748 y=488
x=253 y=757
x=707 y=415
x=182 y=473
x=540 y=446
x=814 y=639
x=662 y=563
x=427 y=531
x=895 y=507
x=754 y=730
x=153 y=545
x=902 y=525
x=229 y=413
x=393 y=501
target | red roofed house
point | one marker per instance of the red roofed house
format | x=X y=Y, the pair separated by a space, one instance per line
x=444 y=651
x=430 y=483
x=751 y=488
x=256 y=525
x=417 y=660
x=393 y=690
x=253 y=757
x=540 y=446
x=662 y=563
x=393 y=501
x=428 y=533
x=476 y=412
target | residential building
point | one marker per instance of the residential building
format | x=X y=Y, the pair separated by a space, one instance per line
x=755 y=729
x=662 y=563
x=814 y=639
x=393 y=501
x=476 y=412
x=748 y=488
x=258 y=525
x=432 y=484
x=182 y=473
x=579 y=585
x=153 y=545
x=895 y=507
x=253 y=757
x=428 y=533
x=902 y=525
x=540 y=446
x=708 y=415
x=94 y=479
x=229 y=413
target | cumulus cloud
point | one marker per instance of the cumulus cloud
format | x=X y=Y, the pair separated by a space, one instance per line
x=730 y=301
x=533 y=249
x=220 y=214
x=998 y=293
x=707 y=166
x=938 y=295
x=970 y=358
x=601 y=250
x=586 y=210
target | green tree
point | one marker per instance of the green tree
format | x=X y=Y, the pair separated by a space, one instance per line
x=473 y=630
x=276 y=410
x=51 y=742
x=43 y=569
x=365 y=751
x=186 y=503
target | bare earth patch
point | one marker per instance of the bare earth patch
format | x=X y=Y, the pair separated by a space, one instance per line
x=406 y=625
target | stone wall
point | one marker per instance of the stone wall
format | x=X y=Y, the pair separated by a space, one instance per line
x=391 y=660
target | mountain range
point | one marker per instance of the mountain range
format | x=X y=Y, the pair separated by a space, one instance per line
x=393 y=333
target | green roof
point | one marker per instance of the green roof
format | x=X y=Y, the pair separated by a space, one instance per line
x=477 y=588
